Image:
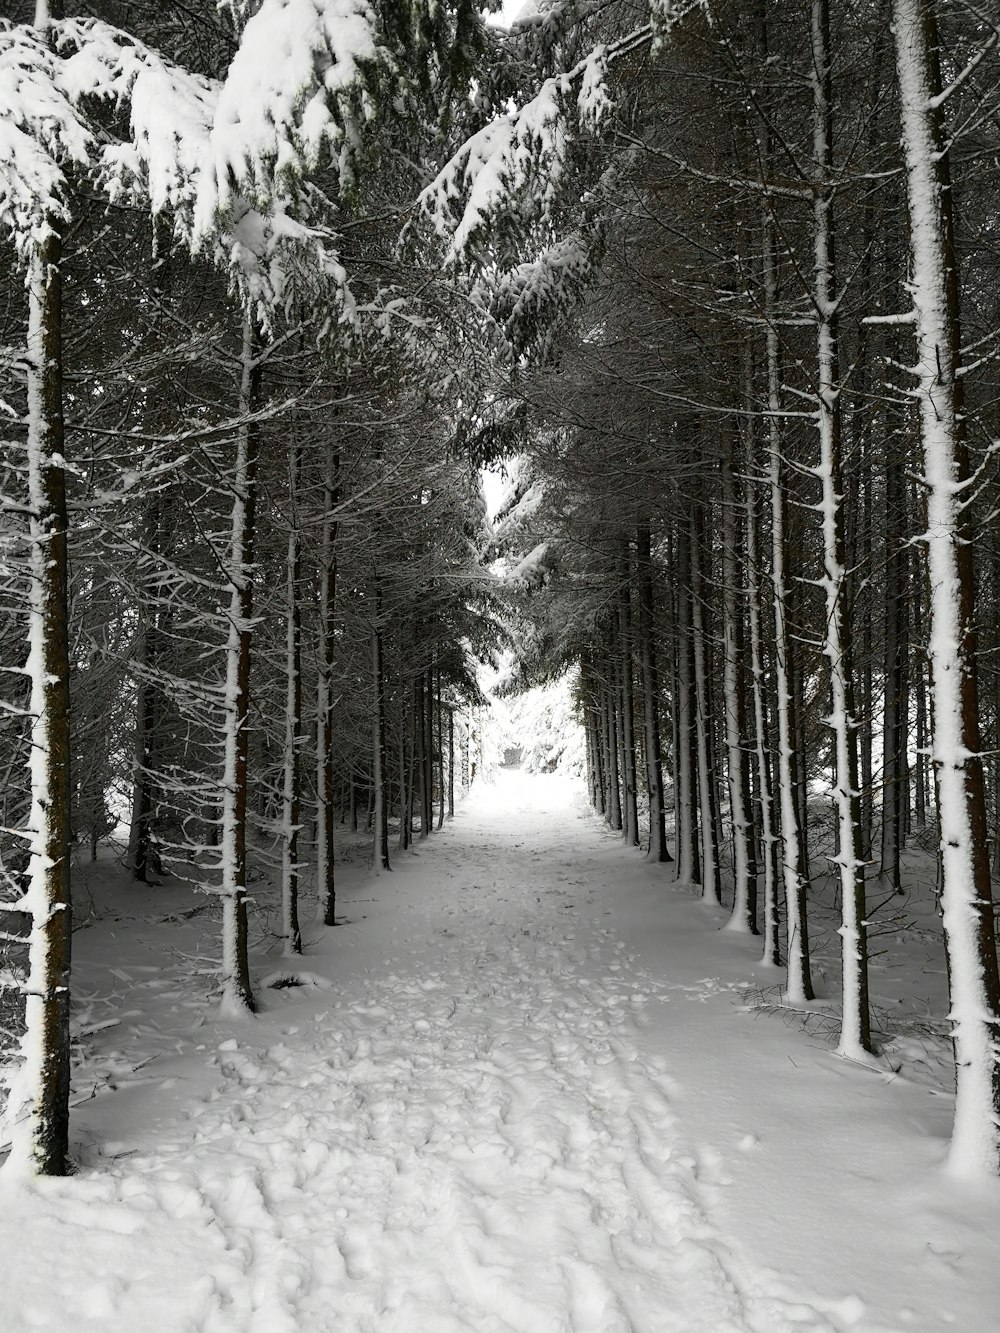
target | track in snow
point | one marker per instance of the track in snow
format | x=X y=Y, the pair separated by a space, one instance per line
x=470 y=1141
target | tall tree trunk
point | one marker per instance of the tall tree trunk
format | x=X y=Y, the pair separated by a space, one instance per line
x=895 y=709
x=613 y=805
x=427 y=816
x=451 y=763
x=442 y=794
x=325 y=770
x=402 y=841
x=688 y=869
x=650 y=694
x=921 y=797
x=956 y=745
x=799 y=981
x=237 y=996
x=855 y=1030
x=291 y=794
x=769 y=841
x=420 y=745
x=143 y=858
x=711 y=881
x=744 y=914
x=38 y=1105
x=380 y=822
x=630 y=821
x=863 y=620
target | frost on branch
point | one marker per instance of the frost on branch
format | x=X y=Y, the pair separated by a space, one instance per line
x=665 y=15
x=534 y=570
x=39 y=130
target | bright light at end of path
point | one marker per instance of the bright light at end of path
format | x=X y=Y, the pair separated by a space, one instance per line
x=511 y=790
x=495 y=483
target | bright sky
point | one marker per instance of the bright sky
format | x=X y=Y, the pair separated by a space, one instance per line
x=509 y=11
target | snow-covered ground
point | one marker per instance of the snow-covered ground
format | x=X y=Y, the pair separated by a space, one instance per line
x=521 y=1090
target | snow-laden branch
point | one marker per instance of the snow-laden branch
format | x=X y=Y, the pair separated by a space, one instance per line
x=517 y=161
x=188 y=151
x=170 y=112
x=40 y=132
x=296 y=88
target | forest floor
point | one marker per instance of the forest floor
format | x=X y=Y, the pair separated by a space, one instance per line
x=527 y=1086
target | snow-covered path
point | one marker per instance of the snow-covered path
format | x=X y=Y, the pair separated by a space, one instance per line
x=478 y=1136
x=467 y=1133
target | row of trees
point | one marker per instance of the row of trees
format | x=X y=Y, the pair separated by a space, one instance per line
x=764 y=447
x=729 y=312
x=241 y=553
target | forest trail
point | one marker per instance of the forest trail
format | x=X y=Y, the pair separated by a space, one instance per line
x=468 y=1137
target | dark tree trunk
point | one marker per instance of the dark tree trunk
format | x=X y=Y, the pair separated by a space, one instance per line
x=650 y=695
x=40 y=1095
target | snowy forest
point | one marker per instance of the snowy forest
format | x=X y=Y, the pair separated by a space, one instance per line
x=361 y=361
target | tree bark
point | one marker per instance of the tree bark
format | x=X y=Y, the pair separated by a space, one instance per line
x=956 y=746
x=895 y=709
x=380 y=823
x=708 y=805
x=291 y=795
x=744 y=913
x=685 y=753
x=38 y=1106
x=650 y=694
x=799 y=981
x=630 y=820
x=440 y=748
x=451 y=763
x=237 y=996
x=325 y=771
x=855 y=1030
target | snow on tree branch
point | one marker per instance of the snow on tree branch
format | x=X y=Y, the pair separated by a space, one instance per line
x=170 y=154
x=497 y=165
x=170 y=112
x=295 y=88
x=528 y=300
x=513 y=167
x=39 y=130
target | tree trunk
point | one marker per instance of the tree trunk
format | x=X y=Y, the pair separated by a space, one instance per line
x=711 y=882
x=427 y=815
x=403 y=840
x=325 y=772
x=956 y=747
x=650 y=695
x=451 y=763
x=769 y=842
x=630 y=820
x=895 y=708
x=237 y=996
x=380 y=823
x=142 y=854
x=855 y=1030
x=799 y=982
x=440 y=749
x=38 y=1106
x=744 y=913
x=685 y=793
x=291 y=795
x=420 y=745
x=613 y=802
